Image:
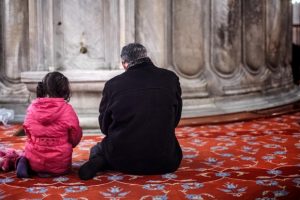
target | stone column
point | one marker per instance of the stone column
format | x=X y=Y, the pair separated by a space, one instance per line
x=15 y=37
x=13 y=55
x=41 y=43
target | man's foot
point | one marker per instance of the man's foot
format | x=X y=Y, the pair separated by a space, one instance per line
x=23 y=168
x=89 y=169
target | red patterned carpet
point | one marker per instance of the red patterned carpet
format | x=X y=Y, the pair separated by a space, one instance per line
x=258 y=159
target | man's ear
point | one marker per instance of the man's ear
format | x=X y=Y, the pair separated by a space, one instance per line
x=125 y=65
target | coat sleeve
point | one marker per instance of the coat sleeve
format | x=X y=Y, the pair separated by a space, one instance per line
x=105 y=115
x=179 y=102
x=75 y=131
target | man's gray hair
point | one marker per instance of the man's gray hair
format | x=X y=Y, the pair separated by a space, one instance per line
x=133 y=52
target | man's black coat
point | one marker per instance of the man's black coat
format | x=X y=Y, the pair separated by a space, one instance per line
x=138 y=114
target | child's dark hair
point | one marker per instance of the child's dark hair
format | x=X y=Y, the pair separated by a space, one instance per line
x=54 y=84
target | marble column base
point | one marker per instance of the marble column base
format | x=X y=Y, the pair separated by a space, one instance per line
x=240 y=103
x=87 y=87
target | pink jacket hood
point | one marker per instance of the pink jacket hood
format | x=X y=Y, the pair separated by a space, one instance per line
x=48 y=109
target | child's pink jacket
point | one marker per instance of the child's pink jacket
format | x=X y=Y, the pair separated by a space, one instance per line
x=52 y=130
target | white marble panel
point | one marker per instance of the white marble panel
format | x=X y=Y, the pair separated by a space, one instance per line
x=226 y=41
x=254 y=35
x=151 y=28
x=277 y=22
x=189 y=29
x=15 y=44
x=81 y=28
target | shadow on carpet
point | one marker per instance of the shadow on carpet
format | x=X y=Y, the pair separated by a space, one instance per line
x=257 y=159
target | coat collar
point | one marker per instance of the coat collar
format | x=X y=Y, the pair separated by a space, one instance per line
x=139 y=62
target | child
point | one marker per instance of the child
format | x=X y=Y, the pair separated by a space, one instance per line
x=52 y=130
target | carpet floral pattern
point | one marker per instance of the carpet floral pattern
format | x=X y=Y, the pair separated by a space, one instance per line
x=257 y=159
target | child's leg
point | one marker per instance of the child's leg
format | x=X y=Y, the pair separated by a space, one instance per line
x=96 y=163
x=23 y=168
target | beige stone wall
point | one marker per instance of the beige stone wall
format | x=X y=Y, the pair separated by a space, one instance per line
x=230 y=55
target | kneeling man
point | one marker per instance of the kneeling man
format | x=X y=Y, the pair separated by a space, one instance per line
x=139 y=111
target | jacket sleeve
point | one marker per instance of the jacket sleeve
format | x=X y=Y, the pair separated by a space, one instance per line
x=27 y=121
x=75 y=131
x=179 y=103
x=105 y=115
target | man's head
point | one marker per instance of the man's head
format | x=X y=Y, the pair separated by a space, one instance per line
x=132 y=52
